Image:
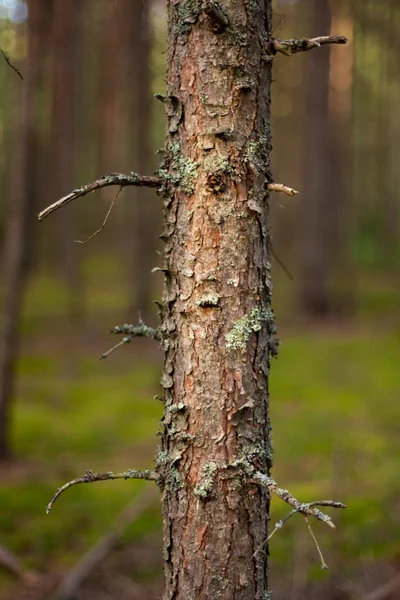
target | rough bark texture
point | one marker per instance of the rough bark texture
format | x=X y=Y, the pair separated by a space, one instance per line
x=218 y=325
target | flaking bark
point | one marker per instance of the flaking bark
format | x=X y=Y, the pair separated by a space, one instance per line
x=217 y=319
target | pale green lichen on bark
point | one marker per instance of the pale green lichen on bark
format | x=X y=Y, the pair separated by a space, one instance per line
x=170 y=476
x=187 y=13
x=236 y=339
x=216 y=163
x=256 y=152
x=205 y=485
x=178 y=170
x=208 y=301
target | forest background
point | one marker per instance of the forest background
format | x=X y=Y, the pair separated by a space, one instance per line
x=85 y=107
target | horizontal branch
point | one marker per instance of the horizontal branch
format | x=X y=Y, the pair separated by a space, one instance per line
x=290 y=47
x=140 y=330
x=104 y=181
x=91 y=477
x=281 y=189
x=303 y=508
x=131 y=331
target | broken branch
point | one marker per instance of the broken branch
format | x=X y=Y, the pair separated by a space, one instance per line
x=8 y=61
x=282 y=189
x=219 y=21
x=290 y=47
x=306 y=509
x=91 y=477
x=104 y=181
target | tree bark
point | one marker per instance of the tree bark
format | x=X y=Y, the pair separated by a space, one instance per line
x=19 y=219
x=217 y=318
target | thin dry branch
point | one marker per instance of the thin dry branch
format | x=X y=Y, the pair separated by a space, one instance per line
x=104 y=181
x=8 y=61
x=278 y=525
x=104 y=222
x=290 y=47
x=306 y=509
x=102 y=548
x=140 y=330
x=91 y=477
x=324 y=566
x=281 y=264
x=282 y=189
x=131 y=331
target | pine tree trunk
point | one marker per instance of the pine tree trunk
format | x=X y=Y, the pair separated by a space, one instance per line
x=217 y=318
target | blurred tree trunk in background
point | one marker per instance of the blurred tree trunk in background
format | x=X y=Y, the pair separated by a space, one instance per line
x=342 y=278
x=65 y=25
x=17 y=249
x=109 y=54
x=140 y=222
x=387 y=137
x=316 y=233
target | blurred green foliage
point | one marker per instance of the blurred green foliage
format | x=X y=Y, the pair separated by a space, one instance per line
x=334 y=420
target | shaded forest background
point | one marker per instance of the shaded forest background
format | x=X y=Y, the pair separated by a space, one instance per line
x=85 y=108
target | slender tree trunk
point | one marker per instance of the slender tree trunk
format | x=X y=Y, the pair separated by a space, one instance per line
x=217 y=317
x=142 y=217
x=63 y=116
x=316 y=231
x=18 y=235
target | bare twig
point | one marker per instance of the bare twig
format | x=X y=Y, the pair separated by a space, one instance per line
x=278 y=525
x=101 y=549
x=91 y=477
x=324 y=566
x=125 y=340
x=281 y=264
x=104 y=181
x=306 y=509
x=290 y=47
x=131 y=331
x=104 y=222
x=8 y=61
x=219 y=21
x=282 y=189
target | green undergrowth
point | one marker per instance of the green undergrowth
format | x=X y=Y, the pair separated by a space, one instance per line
x=61 y=428
x=334 y=408
x=335 y=420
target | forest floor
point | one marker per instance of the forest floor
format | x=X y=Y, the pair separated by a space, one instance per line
x=335 y=415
